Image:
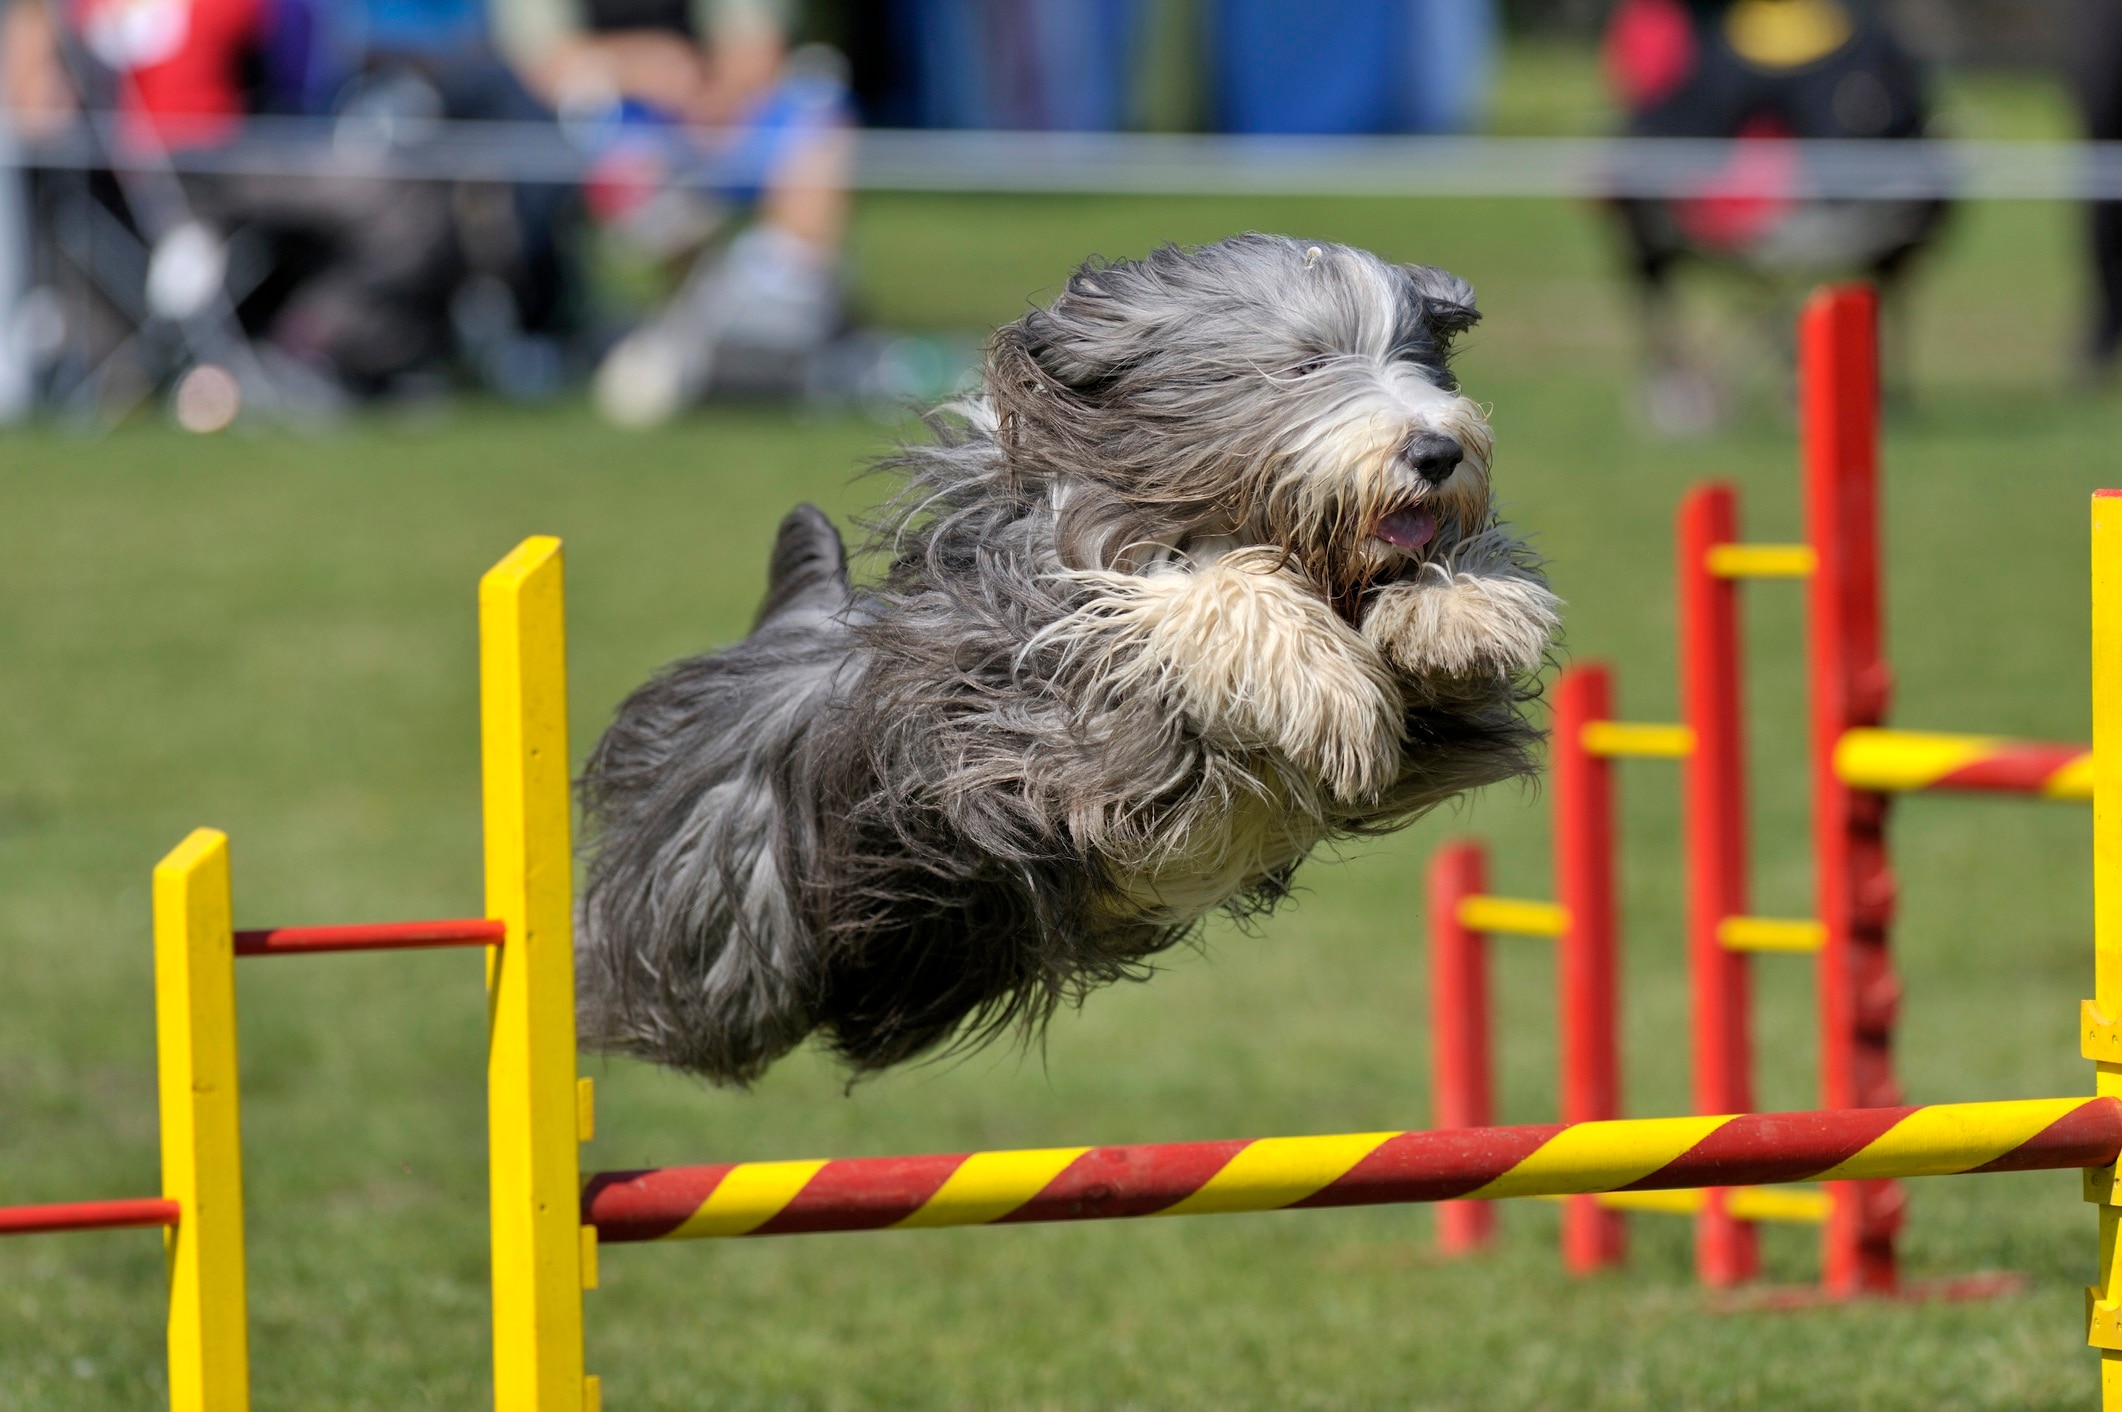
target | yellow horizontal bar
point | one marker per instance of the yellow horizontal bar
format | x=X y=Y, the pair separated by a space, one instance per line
x=1638 y=739
x=1802 y=1206
x=1660 y=1203
x=1798 y=1206
x=1513 y=916
x=1770 y=934
x=1762 y=561
x=1663 y=1203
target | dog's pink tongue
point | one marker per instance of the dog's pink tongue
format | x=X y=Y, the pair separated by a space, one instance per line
x=1409 y=529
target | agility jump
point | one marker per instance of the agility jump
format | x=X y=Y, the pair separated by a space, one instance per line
x=547 y=1225
x=536 y=1112
x=1857 y=763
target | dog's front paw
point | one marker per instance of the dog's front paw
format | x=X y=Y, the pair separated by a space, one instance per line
x=1334 y=720
x=1463 y=624
x=1259 y=662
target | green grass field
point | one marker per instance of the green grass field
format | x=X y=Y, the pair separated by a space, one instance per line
x=275 y=636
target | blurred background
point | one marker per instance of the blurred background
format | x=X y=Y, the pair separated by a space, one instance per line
x=310 y=309
x=293 y=207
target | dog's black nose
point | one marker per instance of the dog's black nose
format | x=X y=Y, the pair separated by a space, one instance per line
x=1433 y=456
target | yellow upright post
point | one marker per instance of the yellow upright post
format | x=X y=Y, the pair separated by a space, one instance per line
x=202 y=1144
x=533 y=1122
x=2101 y=1020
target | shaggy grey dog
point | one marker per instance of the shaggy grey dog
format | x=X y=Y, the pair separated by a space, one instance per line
x=1205 y=576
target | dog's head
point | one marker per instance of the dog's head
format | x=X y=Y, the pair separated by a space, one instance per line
x=1262 y=389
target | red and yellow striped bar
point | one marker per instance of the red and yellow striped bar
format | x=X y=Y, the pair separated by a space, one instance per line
x=88 y=1215
x=1893 y=761
x=371 y=936
x=1357 y=1169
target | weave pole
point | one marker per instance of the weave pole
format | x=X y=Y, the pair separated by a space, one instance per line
x=1714 y=788
x=1850 y=686
x=1584 y=923
x=1462 y=1076
x=1593 y=1237
x=202 y=1142
x=1584 y=927
x=542 y=1259
x=1354 y=1169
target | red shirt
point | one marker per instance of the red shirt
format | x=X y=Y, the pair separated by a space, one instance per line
x=179 y=62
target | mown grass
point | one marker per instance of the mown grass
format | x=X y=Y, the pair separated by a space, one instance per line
x=275 y=635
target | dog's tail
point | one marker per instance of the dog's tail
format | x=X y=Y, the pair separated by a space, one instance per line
x=693 y=947
x=808 y=572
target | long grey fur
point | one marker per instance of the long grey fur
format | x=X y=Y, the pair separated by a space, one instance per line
x=932 y=809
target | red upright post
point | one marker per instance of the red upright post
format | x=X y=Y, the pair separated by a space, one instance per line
x=1839 y=410
x=1726 y=1252
x=1462 y=1084
x=1593 y=1236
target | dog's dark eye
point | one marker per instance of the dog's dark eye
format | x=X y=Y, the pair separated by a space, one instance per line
x=1310 y=366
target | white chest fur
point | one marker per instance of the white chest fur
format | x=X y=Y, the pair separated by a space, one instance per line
x=1215 y=856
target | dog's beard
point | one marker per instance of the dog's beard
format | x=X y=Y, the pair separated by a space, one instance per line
x=1347 y=504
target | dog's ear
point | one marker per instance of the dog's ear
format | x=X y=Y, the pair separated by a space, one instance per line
x=1093 y=334
x=1074 y=353
x=1447 y=301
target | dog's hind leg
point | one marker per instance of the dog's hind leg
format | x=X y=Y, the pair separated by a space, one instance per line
x=808 y=571
x=1257 y=660
x=694 y=948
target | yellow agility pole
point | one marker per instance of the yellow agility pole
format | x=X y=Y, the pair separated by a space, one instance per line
x=535 y=1113
x=202 y=1144
x=2101 y=1017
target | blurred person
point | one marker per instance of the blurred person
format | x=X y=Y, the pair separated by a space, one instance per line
x=2097 y=70
x=1761 y=72
x=34 y=102
x=395 y=69
x=697 y=110
x=17 y=355
x=351 y=269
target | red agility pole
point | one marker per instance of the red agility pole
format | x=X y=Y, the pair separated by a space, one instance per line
x=1462 y=1085
x=378 y=936
x=88 y=1215
x=1593 y=1237
x=1583 y=923
x=1838 y=405
x=1711 y=693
